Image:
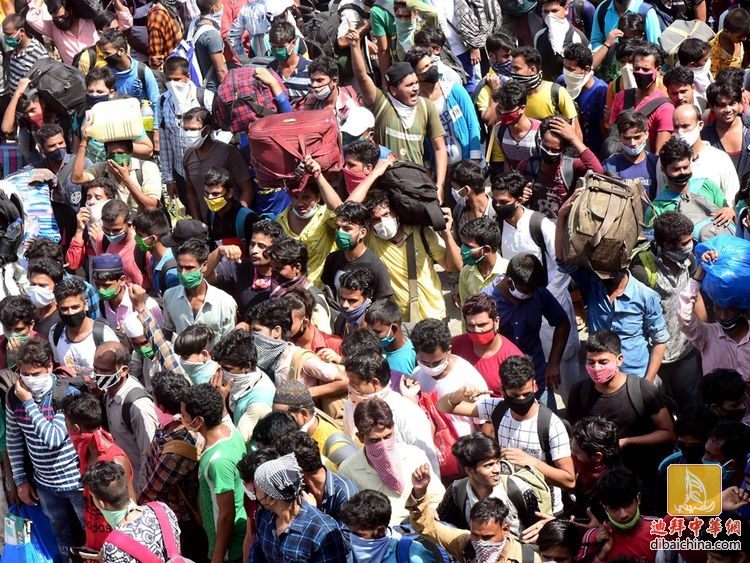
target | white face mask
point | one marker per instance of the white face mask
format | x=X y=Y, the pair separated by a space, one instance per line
x=456 y=195
x=628 y=79
x=387 y=228
x=435 y=371
x=690 y=137
x=702 y=78
x=95 y=210
x=193 y=139
x=521 y=296
x=307 y=215
x=557 y=28
x=40 y=296
x=39 y=385
x=321 y=93
x=574 y=83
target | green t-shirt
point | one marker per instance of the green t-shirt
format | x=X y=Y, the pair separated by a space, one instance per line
x=218 y=474
x=668 y=201
x=407 y=144
x=383 y=23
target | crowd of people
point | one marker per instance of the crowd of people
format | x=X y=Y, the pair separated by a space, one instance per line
x=271 y=376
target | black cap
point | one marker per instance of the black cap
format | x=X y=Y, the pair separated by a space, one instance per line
x=184 y=230
x=397 y=71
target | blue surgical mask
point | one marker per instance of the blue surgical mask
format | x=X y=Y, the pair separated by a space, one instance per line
x=634 y=151
x=199 y=372
x=116 y=238
x=355 y=315
x=92 y=100
x=388 y=339
x=726 y=474
x=369 y=551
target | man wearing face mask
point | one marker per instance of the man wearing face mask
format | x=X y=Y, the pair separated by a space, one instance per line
x=384 y=318
x=125 y=397
x=499 y=47
x=707 y=161
x=607 y=18
x=193 y=346
x=728 y=446
x=208 y=44
x=488 y=537
x=304 y=333
x=287 y=63
x=43 y=440
x=723 y=391
x=229 y=223
x=433 y=39
x=633 y=161
x=666 y=268
x=325 y=91
x=557 y=35
x=25 y=49
x=71 y=35
x=482 y=262
x=516 y=415
x=695 y=55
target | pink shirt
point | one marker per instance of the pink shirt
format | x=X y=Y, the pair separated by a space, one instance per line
x=489 y=367
x=70 y=43
x=126 y=251
x=717 y=350
x=660 y=120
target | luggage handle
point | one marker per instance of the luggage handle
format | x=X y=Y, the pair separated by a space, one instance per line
x=613 y=212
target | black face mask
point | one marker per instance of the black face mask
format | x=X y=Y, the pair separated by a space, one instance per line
x=681 y=179
x=549 y=157
x=505 y=211
x=643 y=81
x=75 y=320
x=112 y=60
x=63 y=24
x=431 y=76
x=297 y=335
x=693 y=453
x=521 y=406
x=734 y=414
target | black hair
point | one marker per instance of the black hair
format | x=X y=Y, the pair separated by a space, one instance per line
x=498 y=41
x=115 y=209
x=176 y=63
x=630 y=21
x=631 y=119
x=360 y=341
x=193 y=340
x=152 y=222
x=383 y=311
x=579 y=53
x=247 y=466
x=604 y=340
x=560 y=533
x=489 y=509
x=617 y=488
x=430 y=334
x=167 y=387
x=199 y=114
x=511 y=95
x=730 y=90
x=485 y=232
x=281 y=32
x=205 y=6
x=430 y=36
x=106 y=480
x=674 y=150
x=113 y=37
x=217 y=176
x=205 y=401
x=16 y=20
x=103 y=20
x=364 y=151
x=353 y=213
x=238 y=349
x=626 y=49
x=721 y=385
x=324 y=65
x=474 y=449
x=367 y=510
x=678 y=76
x=479 y=303
x=195 y=248
x=304 y=448
x=516 y=371
x=531 y=56
x=48 y=267
x=70 y=287
x=695 y=420
x=371 y=414
x=46 y=132
x=468 y=173
x=513 y=183
x=300 y=298
x=103 y=73
x=15 y=309
x=650 y=50
x=369 y=366
x=272 y=427
x=670 y=227
x=527 y=270
x=34 y=352
x=83 y=409
x=736 y=440
x=692 y=50
x=415 y=55
x=44 y=247
x=269 y=228
x=271 y=314
x=376 y=199
x=737 y=20
x=595 y=434
x=289 y=251
x=358 y=279
x=108 y=185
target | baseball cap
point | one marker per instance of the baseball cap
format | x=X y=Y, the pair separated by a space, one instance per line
x=184 y=230
x=358 y=121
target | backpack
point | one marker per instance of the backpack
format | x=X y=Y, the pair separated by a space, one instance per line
x=700 y=211
x=567 y=173
x=643 y=10
x=604 y=224
x=143 y=554
x=86 y=9
x=161 y=79
x=475 y=21
x=673 y=36
x=412 y=195
x=409 y=536
x=444 y=437
x=578 y=22
x=279 y=144
x=320 y=31
x=517 y=7
x=242 y=99
x=537 y=236
x=65 y=379
x=200 y=95
x=28 y=187
x=11 y=210
x=61 y=86
x=527 y=490
x=186 y=50
x=92 y=57
x=648 y=261
x=239 y=222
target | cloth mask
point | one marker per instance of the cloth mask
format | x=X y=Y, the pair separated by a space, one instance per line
x=385 y=460
x=12 y=42
x=431 y=75
x=405 y=33
x=345 y=241
x=93 y=100
x=73 y=320
x=116 y=238
x=503 y=69
x=557 y=28
x=520 y=295
x=199 y=372
x=603 y=374
x=589 y=472
x=481 y=338
x=242 y=384
x=281 y=54
x=106 y=381
x=369 y=551
x=509 y=118
x=680 y=179
x=731 y=323
x=190 y=280
x=193 y=139
x=108 y=293
x=122 y=159
x=435 y=371
x=549 y=157
x=529 y=82
x=95 y=211
x=142 y=245
x=726 y=474
x=216 y=204
x=630 y=524
x=574 y=82
x=456 y=194
x=406 y=114
x=643 y=80
x=146 y=352
x=679 y=256
x=321 y=93
x=690 y=137
x=628 y=78
x=467 y=257
x=386 y=229
x=488 y=551
x=353 y=179
x=357 y=397
x=702 y=77
x=353 y=317
x=634 y=151
x=40 y=296
x=505 y=211
x=304 y=216
x=521 y=406
x=39 y=385
x=57 y=155
x=114 y=517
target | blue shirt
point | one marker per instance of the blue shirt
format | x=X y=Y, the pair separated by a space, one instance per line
x=336 y=491
x=404 y=359
x=636 y=316
x=645 y=171
x=170 y=276
x=312 y=536
x=128 y=82
x=521 y=321
x=611 y=17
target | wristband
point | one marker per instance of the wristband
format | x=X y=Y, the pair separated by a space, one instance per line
x=607 y=46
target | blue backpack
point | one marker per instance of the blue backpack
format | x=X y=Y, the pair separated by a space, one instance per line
x=186 y=50
x=239 y=221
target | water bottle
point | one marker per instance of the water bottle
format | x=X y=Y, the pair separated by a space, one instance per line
x=148 y=116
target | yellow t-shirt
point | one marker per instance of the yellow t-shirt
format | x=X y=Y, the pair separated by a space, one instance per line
x=539 y=105
x=471 y=281
x=430 y=300
x=324 y=431
x=720 y=59
x=318 y=236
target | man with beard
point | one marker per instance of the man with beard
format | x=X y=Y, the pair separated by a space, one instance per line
x=71 y=35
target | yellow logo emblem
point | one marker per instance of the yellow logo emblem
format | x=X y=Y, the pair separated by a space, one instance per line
x=694 y=490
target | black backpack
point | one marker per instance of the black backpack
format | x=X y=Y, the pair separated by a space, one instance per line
x=86 y=9
x=412 y=195
x=535 y=227
x=61 y=86
x=11 y=209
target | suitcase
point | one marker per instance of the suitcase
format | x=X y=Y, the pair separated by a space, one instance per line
x=279 y=143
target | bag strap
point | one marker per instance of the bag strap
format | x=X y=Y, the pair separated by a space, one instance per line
x=614 y=211
x=527 y=553
x=127 y=404
x=239 y=222
x=132 y=547
x=652 y=106
x=57 y=333
x=181 y=448
x=344 y=451
x=497 y=415
x=98 y=332
x=402 y=549
x=543 y=422
x=628 y=100
x=168 y=265
x=167 y=534
x=635 y=394
x=649 y=264
x=535 y=226
x=411 y=267
x=555 y=92
x=601 y=13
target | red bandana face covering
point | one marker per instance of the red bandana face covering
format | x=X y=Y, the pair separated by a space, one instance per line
x=384 y=459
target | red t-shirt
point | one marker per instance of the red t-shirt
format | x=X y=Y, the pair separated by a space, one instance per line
x=489 y=367
x=634 y=543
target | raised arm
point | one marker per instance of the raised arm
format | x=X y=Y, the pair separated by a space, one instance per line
x=369 y=90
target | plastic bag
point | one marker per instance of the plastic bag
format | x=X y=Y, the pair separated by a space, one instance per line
x=28 y=536
x=728 y=277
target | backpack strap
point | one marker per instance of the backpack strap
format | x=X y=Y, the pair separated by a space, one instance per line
x=411 y=267
x=200 y=94
x=628 y=100
x=555 y=92
x=635 y=394
x=132 y=547
x=57 y=332
x=141 y=71
x=461 y=495
x=543 y=422
x=59 y=392
x=653 y=105
x=649 y=264
x=181 y=448
x=299 y=356
x=402 y=549
x=167 y=534
x=527 y=553
x=127 y=404
x=341 y=453
x=239 y=221
x=535 y=226
x=426 y=244
x=168 y=265
x=567 y=172
x=98 y=332
x=497 y=415
x=578 y=14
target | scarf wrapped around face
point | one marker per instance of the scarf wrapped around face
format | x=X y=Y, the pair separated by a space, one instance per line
x=269 y=352
x=280 y=479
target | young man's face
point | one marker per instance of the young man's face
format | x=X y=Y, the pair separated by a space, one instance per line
x=480 y=323
x=557 y=554
x=623 y=514
x=406 y=91
x=726 y=110
x=486 y=473
x=304 y=201
x=602 y=360
x=633 y=137
x=259 y=243
x=187 y=263
x=95 y=195
x=555 y=9
x=286 y=271
x=53 y=143
x=376 y=434
x=97 y=88
x=699 y=63
x=357 y=232
x=352 y=164
x=71 y=305
x=20 y=328
x=680 y=94
x=114 y=228
x=382 y=330
x=499 y=57
x=715 y=451
x=520 y=392
x=572 y=66
x=519 y=66
x=350 y=299
x=488 y=531
x=362 y=386
x=108 y=284
x=678 y=168
x=42 y=280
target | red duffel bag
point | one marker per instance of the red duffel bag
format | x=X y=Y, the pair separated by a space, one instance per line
x=279 y=143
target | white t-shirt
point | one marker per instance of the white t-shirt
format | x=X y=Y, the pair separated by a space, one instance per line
x=462 y=373
x=714 y=164
x=523 y=435
x=78 y=356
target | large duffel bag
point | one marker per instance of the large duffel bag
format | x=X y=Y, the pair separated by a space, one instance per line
x=413 y=195
x=279 y=144
x=61 y=86
x=242 y=99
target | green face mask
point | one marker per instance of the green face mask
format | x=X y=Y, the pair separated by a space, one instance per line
x=466 y=256
x=122 y=159
x=344 y=241
x=145 y=352
x=114 y=517
x=281 y=54
x=109 y=293
x=142 y=245
x=191 y=280
x=627 y=525
x=12 y=42
x=17 y=336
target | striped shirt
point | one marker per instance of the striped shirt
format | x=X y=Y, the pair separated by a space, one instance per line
x=298 y=84
x=21 y=61
x=40 y=431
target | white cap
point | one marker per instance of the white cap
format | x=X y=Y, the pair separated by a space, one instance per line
x=132 y=326
x=277 y=7
x=358 y=121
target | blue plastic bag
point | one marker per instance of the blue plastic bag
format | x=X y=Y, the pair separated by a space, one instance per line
x=728 y=277
x=39 y=547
